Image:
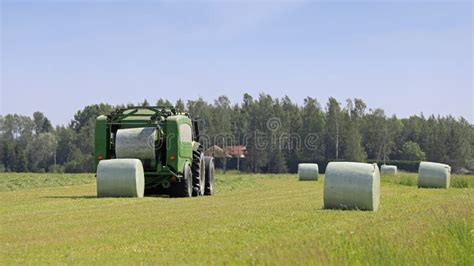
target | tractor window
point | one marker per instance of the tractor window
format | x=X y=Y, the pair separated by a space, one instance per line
x=185 y=133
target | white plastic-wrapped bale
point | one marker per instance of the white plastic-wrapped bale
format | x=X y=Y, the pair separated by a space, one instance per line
x=350 y=185
x=308 y=171
x=136 y=143
x=120 y=178
x=434 y=175
x=388 y=169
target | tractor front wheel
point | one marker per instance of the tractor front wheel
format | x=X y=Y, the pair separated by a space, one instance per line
x=209 y=183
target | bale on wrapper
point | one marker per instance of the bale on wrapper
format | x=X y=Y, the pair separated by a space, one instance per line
x=120 y=178
x=434 y=175
x=136 y=143
x=350 y=185
x=388 y=169
x=308 y=171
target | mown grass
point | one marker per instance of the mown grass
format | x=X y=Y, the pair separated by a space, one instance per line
x=252 y=219
x=411 y=179
x=19 y=181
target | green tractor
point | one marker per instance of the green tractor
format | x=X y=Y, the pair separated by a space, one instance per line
x=150 y=151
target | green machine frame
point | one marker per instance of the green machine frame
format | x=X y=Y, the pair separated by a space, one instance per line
x=173 y=148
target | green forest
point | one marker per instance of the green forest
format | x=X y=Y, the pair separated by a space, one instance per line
x=278 y=134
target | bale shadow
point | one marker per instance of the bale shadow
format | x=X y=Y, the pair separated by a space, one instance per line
x=71 y=197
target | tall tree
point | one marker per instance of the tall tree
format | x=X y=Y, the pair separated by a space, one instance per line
x=163 y=103
x=392 y=135
x=180 y=106
x=375 y=134
x=312 y=131
x=145 y=103
x=65 y=144
x=333 y=128
x=411 y=151
x=293 y=140
x=41 y=123
x=41 y=152
x=352 y=149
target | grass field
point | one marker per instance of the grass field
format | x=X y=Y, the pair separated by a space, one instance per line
x=252 y=219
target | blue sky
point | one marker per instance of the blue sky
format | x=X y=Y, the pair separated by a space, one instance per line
x=406 y=57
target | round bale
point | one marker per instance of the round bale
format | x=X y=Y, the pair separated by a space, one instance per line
x=350 y=185
x=136 y=143
x=120 y=178
x=433 y=175
x=388 y=169
x=308 y=171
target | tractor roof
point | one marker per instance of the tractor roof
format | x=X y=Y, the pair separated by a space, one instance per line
x=143 y=113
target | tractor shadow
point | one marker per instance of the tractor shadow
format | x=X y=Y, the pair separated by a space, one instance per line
x=95 y=197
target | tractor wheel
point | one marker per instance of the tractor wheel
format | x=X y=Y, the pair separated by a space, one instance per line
x=184 y=187
x=198 y=169
x=209 y=189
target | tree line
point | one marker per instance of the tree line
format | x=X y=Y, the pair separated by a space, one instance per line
x=277 y=133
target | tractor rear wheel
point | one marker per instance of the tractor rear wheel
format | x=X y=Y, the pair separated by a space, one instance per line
x=184 y=187
x=209 y=183
x=198 y=169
